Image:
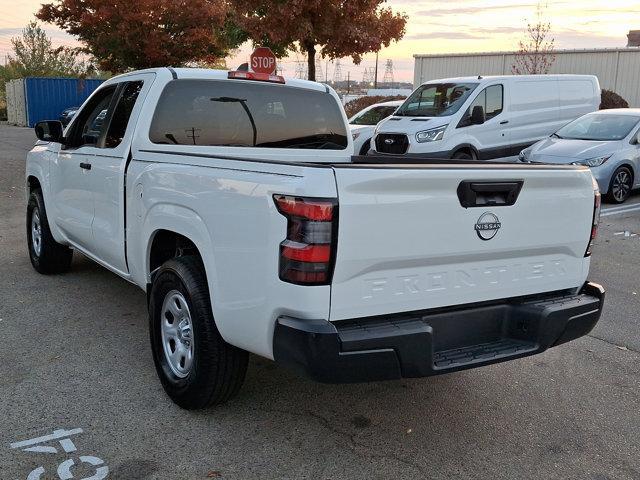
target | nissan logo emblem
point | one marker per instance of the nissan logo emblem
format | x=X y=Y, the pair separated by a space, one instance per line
x=389 y=141
x=487 y=226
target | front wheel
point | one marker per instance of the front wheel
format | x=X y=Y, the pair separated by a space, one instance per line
x=462 y=155
x=47 y=255
x=620 y=185
x=196 y=366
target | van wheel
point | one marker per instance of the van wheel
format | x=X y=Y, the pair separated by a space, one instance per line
x=47 y=256
x=462 y=155
x=621 y=185
x=197 y=368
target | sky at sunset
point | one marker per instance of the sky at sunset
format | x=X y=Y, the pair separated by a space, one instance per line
x=433 y=27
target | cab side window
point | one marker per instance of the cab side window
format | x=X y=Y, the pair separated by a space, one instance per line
x=122 y=113
x=491 y=101
x=95 y=122
x=91 y=120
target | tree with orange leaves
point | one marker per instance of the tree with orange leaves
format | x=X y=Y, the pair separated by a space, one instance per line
x=145 y=33
x=332 y=28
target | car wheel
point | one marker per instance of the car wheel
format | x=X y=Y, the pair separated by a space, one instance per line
x=47 y=255
x=621 y=185
x=462 y=155
x=197 y=368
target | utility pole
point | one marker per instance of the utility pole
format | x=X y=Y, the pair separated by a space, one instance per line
x=375 y=81
x=348 y=82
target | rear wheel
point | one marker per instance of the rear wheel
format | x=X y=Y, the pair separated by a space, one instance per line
x=621 y=185
x=47 y=255
x=196 y=366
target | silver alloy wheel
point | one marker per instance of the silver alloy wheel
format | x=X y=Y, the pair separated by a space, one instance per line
x=36 y=232
x=621 y=185
x=177 y=333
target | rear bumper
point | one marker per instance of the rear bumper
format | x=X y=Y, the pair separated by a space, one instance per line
x=431 y=343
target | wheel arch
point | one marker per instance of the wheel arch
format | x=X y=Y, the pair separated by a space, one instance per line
x=465 y=147
x=33 y=183
x=170 y=231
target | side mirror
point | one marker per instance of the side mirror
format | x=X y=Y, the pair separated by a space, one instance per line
x=477 y=115
x=636 y=140
x=49 y=131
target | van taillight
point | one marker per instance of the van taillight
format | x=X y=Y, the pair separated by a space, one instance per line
x=596 y=217
x=308 y=253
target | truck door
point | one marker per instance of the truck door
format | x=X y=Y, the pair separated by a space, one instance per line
x=108 y=170
x=70 y=177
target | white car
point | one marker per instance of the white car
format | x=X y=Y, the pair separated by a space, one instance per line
x=484 y=117
x=607 y=141
x=363 y=123
x=231 y=199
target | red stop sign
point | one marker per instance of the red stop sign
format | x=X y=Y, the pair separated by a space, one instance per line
x=263 y=61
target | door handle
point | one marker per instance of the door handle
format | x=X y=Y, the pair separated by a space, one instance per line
x=504 y=122
x=86 y=166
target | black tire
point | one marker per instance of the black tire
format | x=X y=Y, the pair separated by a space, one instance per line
x=462 y=155
x=620 y=185
x=217 y=368
x=364 y=149
x=52 y=257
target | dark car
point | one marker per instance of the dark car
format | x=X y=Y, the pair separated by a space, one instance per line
x=67 y=114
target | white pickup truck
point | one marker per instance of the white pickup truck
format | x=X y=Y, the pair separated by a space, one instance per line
x=233 y=199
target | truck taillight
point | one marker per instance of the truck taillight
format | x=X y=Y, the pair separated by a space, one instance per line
x=596 y=217
x=308 y=253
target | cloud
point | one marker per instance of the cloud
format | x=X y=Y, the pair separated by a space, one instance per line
x=442 y=12
x=471 y=33
x=449 y=35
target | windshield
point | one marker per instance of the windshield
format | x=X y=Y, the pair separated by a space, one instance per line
x=436 y=100
x=373 y=116
x=599 y=127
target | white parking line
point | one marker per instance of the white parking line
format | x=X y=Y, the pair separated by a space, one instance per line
x=606 y=212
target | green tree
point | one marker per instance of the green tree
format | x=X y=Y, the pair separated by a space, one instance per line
x=34 y=56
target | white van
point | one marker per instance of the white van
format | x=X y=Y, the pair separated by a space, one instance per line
x=484 y=117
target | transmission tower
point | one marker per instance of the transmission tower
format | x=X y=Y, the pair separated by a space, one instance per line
x=319 y=75
x=388 y=74
x=301 y=70
x=337 y=73
x=369 y=75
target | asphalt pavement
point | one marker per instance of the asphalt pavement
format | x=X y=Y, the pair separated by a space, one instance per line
x=79 y=397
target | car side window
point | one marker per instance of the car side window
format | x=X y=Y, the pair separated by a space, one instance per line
x=121 y=114
x=374 y=116
x=91 y=120
x=491 y=101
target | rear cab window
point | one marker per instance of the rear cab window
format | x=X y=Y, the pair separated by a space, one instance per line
x=244 y=114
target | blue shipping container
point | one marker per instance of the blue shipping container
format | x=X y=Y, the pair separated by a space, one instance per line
x=46 y=98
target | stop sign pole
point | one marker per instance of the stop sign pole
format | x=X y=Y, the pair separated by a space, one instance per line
x=263 y=60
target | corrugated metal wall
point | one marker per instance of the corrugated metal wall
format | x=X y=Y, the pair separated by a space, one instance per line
x=616 y=69
x=46 y=98
x=16 y=106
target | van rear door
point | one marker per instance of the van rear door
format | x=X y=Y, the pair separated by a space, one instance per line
x=406 y=242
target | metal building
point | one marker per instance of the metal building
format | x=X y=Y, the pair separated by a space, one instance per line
x=32 y=99
x=617 y=69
